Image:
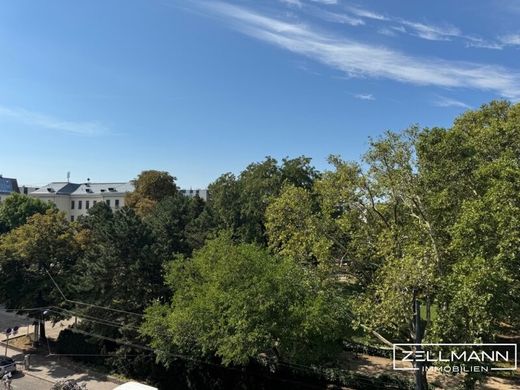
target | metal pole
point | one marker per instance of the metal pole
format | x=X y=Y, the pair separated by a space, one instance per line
x=419 y=385
x=6 y=343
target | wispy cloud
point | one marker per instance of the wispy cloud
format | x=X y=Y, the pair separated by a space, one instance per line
x=442 y=101
x=432 y=32
x=482 y=43
x=295 y=3
x=364 y=96
x=336 y=17
x=357 y=59
x=511 y=39
x=325 y=1
x=365 y=13
x=34 y=119
x=387 y=31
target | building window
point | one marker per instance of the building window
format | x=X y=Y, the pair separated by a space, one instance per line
x=117 y=203
x=95 y=202
x=72 y=205
x=108 y=202
x=72 y=218
x=80 y=204
x=87 y=204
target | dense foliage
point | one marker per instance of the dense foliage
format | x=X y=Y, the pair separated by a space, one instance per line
x=237 y=301
x=16 y=209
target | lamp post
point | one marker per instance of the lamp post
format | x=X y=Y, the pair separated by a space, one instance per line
x=41 y=333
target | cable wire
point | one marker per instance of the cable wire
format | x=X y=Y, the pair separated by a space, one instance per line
x=89 y=304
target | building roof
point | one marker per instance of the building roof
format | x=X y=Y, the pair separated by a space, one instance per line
x=8 y=185
x=64 y=188
x=103 y=188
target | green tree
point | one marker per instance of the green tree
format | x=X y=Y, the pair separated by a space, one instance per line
x=173 y=223
x=150 y=187
x=119 y=267
x=295 y=228
x=480 y=201
x=17 y=208
x=47 y=242
x=238 y=301
x=239 y=203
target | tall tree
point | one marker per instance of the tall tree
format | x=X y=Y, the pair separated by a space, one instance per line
x=173 y=223
x=17 y=208
x=150 y=187
x=239 y=203
x=47 y=242
x=119 y=267
x=235 y=302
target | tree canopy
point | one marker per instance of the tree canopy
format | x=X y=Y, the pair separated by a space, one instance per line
x=150 y=187
x=236 y=301
x=47 y=242
x=17 y=208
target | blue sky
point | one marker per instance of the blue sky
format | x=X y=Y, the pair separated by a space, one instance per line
x=105 y=89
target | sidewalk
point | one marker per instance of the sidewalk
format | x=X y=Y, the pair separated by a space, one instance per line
x=52 y=330
x=53 y=368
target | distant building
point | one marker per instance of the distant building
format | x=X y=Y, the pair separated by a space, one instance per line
x=7 y=187
x=203 y=194
x=76 y=199
x=26 y=190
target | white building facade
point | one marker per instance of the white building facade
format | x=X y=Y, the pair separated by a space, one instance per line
x=76 y=199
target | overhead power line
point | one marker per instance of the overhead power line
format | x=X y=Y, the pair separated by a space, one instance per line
x=89 y=304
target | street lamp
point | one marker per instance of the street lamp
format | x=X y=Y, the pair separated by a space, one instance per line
x=41 y=332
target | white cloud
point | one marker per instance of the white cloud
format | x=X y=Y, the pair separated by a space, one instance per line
x=443 y=101
x=481 y=43
x=296 y=3
x=511 y=39
x=387 y=31
x=364 y=96
x=358 y=59
x=364 y=13
x=421 y=30
x=336 y=17
x=431 y=32
x=48 y=122
x=326 y=1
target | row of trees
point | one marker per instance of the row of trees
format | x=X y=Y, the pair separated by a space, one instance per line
x=286 y=262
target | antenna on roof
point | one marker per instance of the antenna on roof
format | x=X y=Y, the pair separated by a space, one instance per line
x=68 y=176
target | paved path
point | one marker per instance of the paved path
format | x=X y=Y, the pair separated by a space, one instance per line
x=27 y=382
x=45 y=370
